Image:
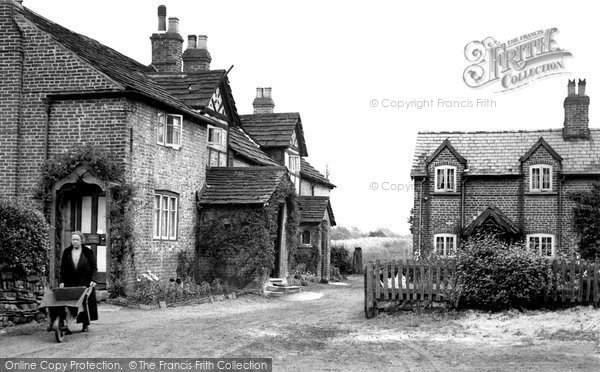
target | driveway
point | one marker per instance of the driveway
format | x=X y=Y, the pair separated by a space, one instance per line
x=329 y=333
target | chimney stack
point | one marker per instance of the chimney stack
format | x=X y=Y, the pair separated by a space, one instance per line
x=167 y=46
x=196 y=57
x=576 y=112
x=263 y=103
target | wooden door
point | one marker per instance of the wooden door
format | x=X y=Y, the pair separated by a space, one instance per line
x=86 y=212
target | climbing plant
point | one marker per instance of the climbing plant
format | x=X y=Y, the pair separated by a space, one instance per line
x=110 y=169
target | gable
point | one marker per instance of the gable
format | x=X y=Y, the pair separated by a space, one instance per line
x=541 y=150
x=446 y=152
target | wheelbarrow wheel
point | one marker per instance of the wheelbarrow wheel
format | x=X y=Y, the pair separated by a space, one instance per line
x=58 y=330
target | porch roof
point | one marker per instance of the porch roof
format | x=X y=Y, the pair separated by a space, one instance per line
x=313 y=208
x=499 y=219
x=241 y=185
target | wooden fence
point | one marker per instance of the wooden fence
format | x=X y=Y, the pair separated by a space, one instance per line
x=408 y=281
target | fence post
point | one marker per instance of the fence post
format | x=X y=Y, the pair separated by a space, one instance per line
x=369 y=300
x=357 y=264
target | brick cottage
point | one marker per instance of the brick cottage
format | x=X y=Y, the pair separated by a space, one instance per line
x=173 y=125
x=518 y=183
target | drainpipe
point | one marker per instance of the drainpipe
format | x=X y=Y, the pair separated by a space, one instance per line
x=559 y=221
x=462 y=201
x=47 y=106
x=421 y=211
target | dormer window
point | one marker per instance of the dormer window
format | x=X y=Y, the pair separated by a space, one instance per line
x=540 y=178
x=215 y=136
x=445 y=178
x=294 y=163
x=168 y=131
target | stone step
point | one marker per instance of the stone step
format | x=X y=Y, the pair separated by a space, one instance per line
x=273 y=294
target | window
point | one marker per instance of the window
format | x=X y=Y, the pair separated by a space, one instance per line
x=540 y=178
x=542 y=244
x=306 y=237
x=294 y=163
x=166 y=207
x=215 y=136
x=445 y=244
x=445 y=178
x=168 y=130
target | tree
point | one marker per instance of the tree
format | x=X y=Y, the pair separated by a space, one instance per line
x=377 y=234
x=587 y=222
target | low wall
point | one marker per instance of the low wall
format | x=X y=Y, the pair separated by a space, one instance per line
x=19 y=299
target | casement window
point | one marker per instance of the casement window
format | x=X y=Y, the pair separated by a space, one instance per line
x=445 y=178
x=216 y=136
x=294 y=163
x=445 y=244
x=306 y=237
x=166 y=211
x=540 y=178
x=542 y=244
x=168 y=130
x=217 y=146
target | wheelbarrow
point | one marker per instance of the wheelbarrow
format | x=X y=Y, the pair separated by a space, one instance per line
x=63 y=306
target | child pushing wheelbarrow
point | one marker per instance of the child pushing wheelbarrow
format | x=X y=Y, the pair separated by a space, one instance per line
x=75 y=299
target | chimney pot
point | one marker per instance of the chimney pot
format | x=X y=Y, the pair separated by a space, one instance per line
x=191 y=41
x=571 y=88
x=202 y=42
x=263 y=103
x=173 y=25
x=162 y=18
x=581 y=87
x=267 y=92
x=259 y=92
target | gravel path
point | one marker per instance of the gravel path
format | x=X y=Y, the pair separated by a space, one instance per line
x=327 y=334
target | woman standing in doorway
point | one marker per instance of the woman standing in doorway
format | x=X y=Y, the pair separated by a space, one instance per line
x=78 y=269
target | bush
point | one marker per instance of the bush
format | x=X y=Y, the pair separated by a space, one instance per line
x=587 y=222
x=24 y=239
x=493 y=276
x=341 y=259
x=149 y=291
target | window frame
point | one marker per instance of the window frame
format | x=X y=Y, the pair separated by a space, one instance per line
x=541 y=236
x=445 y=237
x=296 y=161
x=445 y=169
x=158 y=229
x=309 y=237
x=164 y=124
x=541 y=168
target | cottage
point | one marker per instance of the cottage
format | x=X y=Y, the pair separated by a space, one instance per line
x=172 y=126
x=518 y=183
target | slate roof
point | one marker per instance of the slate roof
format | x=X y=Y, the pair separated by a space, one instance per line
x=499 y=153
x=125 y=71
x=313 y=208
x=275 y=129
x=241 y=185
x=308 y=172
x=193 y=88
x=242 y=145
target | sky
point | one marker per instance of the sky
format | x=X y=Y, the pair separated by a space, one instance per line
x=351 y=68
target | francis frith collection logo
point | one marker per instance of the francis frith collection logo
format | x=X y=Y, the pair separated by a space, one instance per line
x=516 y=62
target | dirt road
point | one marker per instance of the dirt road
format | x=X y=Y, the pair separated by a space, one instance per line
x=329 y=333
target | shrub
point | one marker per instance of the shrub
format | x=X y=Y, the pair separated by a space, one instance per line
x=24 y=239
x=587 y=222
x=149 y=291
x=341 y=259
x=493 y=276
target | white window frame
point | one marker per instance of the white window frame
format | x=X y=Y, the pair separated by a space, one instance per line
x=445 y=169
x=309 y=237
x=539 y=249
x=541 y=187
x=220 y=141
x=170 y=226
x=161 y=133
x=446 y=238
x=294 y=163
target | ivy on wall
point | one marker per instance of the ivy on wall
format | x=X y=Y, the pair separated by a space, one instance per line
x=587 y=222
x=109 y=169
x=238 y=240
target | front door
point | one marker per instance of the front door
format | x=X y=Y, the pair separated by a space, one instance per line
x=84 y=209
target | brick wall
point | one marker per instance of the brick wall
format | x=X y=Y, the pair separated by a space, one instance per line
x=156 y=167
x=533 y=212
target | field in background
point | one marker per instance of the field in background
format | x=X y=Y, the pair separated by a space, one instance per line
x=384 y=249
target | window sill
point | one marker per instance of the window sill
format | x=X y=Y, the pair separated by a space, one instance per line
x=446 y=193
x=170 y=147
x=537 y=193
x=306 y=245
